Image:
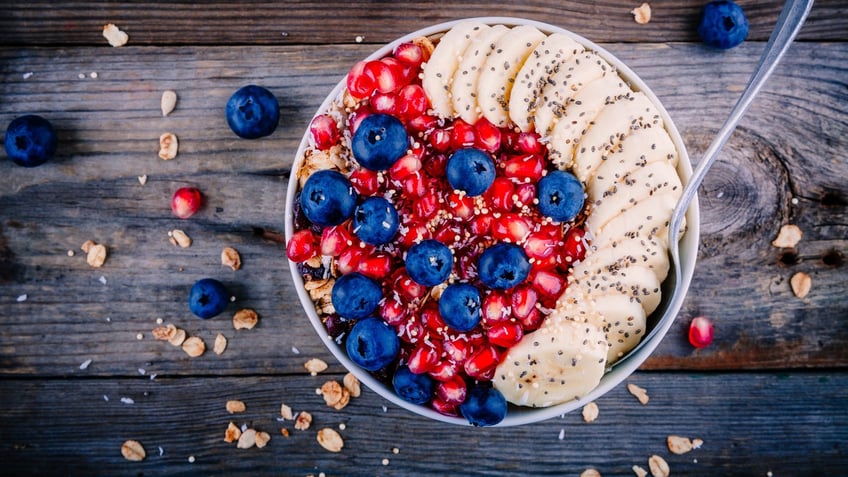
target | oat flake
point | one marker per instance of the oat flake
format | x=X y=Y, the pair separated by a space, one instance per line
x=220 y=344
x=114 y=36
x=133 y=451
x=330 y=440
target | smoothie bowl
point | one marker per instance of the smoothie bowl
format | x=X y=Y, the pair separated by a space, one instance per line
x=477 y=221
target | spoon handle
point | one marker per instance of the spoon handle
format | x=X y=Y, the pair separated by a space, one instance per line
x=790 y=21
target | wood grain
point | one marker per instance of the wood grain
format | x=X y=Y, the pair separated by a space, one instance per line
x=770 y=174
x=42 y=22
x=66 y=427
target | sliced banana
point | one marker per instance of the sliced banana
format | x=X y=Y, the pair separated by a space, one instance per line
x=533 y=75
x=639 y=284
x=647 y=219
x=467 y=74
x=645 y=252
x=498 y=75
x=614 y=123
x=581 y=110
x=568 y=79
x=624 y=324
x=439 y=70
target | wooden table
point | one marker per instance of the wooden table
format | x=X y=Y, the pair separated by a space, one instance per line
x=770 y=396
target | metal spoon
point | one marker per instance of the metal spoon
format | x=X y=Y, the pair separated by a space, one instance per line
x=788 y=24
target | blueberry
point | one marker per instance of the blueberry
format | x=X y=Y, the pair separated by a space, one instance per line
x=356 y=296
x=415 y=388
x=471 y=170
x=459 y=306
x=328 y=198
x=379 y=141
x=30 y=140
x=484 y=406
x=372 y=344
x=429 y=262
x=560 y=196
x=375 y=221
x=723 y=24
x=503 y=266
x=208 y=298
x=253 y=112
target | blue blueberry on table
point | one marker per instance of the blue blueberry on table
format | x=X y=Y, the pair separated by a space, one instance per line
x=429 y=262
x=560 y=196
x=30 y=140
x=459 y=306
x=253 y=112
x=328 y=198
x=471 y=170
x=208 y=298
x=503 y=266
x=355 y=296
x=379 y=141
x=372 y=344
x=484 y=405
x=723 y=24
x=411 y=387
x=375 y=221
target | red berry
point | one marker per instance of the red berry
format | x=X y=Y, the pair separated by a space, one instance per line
x=443 y=408
x=432 y=319
x=495 y=309
x=440 y=139
x=505 y=334
x=462 y=135
x=480 y=225
x=377 y=266
x=412 y=101
x=457 y=349
x=423 y=358
x=350 y=258
x=360 y=82
x=523 y=300
x=528 y=143
x=386 y=78
x=365 y=181
x=436 y=165
x=415 y=185
x=426 y=205
x=402 y=72
x=325 y=132
x=573 y=246
x=540 y=245
x=413 y=233
x=410 y=54
x=335 y=239
x=548 y=283
x=423 y=123
x=532 y=321
x=512 y=227
x=449 y=234
x=525 y=168
x=405 y=166
x=393 y=311
x=408 y=288
x=452 y=391
x=411 y=331
x=501 y=194
x=444 y=370
x=700 y=332
x=525 y=193
x=460 y=205
x=384 y=103
x=302 y=246
x=488 y=135
x=482 y=364
x=186 y=201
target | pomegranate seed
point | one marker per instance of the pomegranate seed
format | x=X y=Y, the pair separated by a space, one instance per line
x=509 y=139
x=452 y=391
x=528 y=143
x=526 y=193
x=467 y=261
x=495 y=309
x=335 y=239
x=551 y=229
x=412 y=101
x=523 y=300
x=393 y=311
x=457 y=349
x=356 y=118
x=481 y=365
x=440 y=139
x=186 y=201
x=360 y=82
x=444 y=370
x=511 y=226
x=426 y=206
x=460 y=205
x=573 y=247
x=540 y=245
x=432 y=319
x=488 y=135
x=350 y=258
x=547 y=263
x=407 y=287
x=410 y=54
x=525 y=168
x=549 y=284
x=480 y=225
x=448 y=234
x=302 y=246
x=436 y=165
x=406 y=165
x=325 y=132
x=444 y=408
x=533 y=321
x=411 y=331
x=505 y=334
x=403 y=72
x=385 y=103
x=365 y=181
x=377 y=266
x=462 y=135
x=423 y=358
x=386 y=79
x=423 y=123
x=700 y=332
x=501 y=194
x=415 y=185
x=413 y=233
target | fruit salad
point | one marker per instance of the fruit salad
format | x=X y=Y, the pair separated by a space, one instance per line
x=481 y=218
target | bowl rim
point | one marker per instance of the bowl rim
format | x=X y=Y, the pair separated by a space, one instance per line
x=620 y=370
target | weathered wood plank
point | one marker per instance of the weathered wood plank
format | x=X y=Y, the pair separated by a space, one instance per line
x=796 y=424
x=44 y=22
x=109 y=127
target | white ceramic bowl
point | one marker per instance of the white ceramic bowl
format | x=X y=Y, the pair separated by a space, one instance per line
x=622 y=368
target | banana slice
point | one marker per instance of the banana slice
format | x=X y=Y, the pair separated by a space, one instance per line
x=639 y=284
x=467 y=74
x=636 y=151
x=647 y=220
x=624 y=323
x=498 y=75
x=568 y=78
x=614 y=123
x=439 y=70
x=645 y=252
x=581 y=111
x=635 y=186
x=532 y=76
x=563 y=360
